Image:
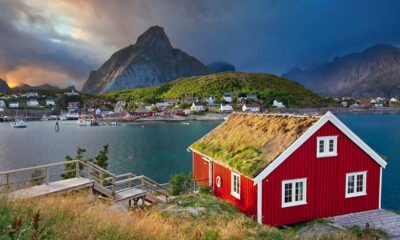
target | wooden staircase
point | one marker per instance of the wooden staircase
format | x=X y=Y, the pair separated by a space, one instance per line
x=118 y=188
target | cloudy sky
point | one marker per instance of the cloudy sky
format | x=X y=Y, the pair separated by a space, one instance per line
x=61 y=41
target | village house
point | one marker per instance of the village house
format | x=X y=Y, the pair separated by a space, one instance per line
x=30 y=95
x=210 y=100
x=172 y=101
x=13 y=104
x=198 y=107
x=251 y=97
x=278 y=104
x=228 y=97
x=71 y=94
x=2 y=104
x=363 y=103
x=119 y=106
x=162 y=106
x=191 y=99
x=73 y=106
x=226 y=108
x=344 y=104
x=102 y=111
x=285 y=169
x=50 y=102
x=251 y=108
x=32 y=102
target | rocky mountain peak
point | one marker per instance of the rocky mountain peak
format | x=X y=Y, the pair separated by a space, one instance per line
x=4 y=86
x=154 y=38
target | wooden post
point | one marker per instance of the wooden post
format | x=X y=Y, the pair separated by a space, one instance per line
x=77 y=169
x=47 y=177
x=8 y=181
x=113 y=186
x=130 y=182
x=89 y=171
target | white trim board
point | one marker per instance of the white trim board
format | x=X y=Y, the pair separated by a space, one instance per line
x=303 y=138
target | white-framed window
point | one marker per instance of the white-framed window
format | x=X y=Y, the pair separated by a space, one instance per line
x=327 y=146
x=356 y=184
x=235 y=185
x=294 y=192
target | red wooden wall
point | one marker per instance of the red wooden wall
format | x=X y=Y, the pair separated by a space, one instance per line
x=326 y=179
x=200 y=170
x=248 y=192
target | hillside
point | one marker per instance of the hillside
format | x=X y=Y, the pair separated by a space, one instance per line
x=4 y=86
x=203 y=217
x=268 y=87
x=150 y=61
x=373 y=72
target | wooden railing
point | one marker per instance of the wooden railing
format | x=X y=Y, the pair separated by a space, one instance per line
x=103 y=177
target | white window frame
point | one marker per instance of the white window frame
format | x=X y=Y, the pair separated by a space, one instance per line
x=355 y=193
x=326 y=152
x=294 y=202
x=234 y=193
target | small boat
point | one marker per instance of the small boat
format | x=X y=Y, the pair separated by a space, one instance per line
x=19 y=123
x=115 y=124
x=52 y=117
x=87 y=121
x=186 y=123
x=44 y=118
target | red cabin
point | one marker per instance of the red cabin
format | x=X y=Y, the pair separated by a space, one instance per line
x=285 y=169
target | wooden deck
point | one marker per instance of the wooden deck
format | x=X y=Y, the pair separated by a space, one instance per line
x=53 y=187
x=380 y=219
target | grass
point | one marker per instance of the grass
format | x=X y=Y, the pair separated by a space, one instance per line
x=248 y=142
x=77 y=216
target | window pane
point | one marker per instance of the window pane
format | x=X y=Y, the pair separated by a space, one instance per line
x=299 y=191
x=350 y=184
x=321 y=146
x=331 y=145
x=360 y=181
x=288 y=192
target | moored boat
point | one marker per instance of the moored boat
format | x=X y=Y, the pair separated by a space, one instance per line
x=18 y=123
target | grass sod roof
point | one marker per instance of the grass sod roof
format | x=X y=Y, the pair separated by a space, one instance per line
x=248 y=142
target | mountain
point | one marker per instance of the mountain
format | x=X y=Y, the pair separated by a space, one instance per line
x=4 y=86
x=268 y=87
x=150 y=61
x=373 y=72
x=221 y=67
x=27 y=87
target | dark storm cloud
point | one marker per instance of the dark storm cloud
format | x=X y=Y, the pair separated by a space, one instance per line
x=260 y=35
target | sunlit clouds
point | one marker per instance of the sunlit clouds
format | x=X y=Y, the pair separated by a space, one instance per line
x=61 y=41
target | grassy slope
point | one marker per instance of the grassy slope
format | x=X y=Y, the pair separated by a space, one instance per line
x=78 y=217
x=268 y=87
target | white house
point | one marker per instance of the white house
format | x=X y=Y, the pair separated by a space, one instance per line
x=226 y=108
x=102 y=111
x=119 y=106
x=2 y=104
x=13 y=105
x=32 y=102
x=251 y=108
x=251 y=96
x=228 y=97
x=30 y=95
x=344 y=104
x=198 y=107
x=50 y=102
x=72 y=93
x=162 y=105
x=210 y=100
x=277 y=104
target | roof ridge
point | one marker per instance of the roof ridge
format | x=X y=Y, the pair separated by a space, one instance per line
x=279 y=114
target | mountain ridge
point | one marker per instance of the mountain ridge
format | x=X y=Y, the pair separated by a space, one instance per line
x=372 y=72
x=150 y=61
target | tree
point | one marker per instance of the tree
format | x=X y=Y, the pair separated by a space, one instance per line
x=102 y=158
x=180 y=183
x=69 y=168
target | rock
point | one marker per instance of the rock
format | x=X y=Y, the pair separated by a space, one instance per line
x=4 y=86
x=150 y=61
x=373 y=72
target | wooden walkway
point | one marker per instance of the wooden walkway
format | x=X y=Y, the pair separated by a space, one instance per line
x=71 y=184
x=125 y=187
x=380 y=219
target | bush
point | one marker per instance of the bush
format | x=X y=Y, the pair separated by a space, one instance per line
x=180 y=183
x=205 y=190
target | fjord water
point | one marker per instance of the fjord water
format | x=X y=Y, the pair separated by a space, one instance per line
x=158 y=150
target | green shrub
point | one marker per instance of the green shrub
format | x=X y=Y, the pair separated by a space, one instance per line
x=180 y=183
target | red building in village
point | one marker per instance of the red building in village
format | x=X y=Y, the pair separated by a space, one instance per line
x=285 y=169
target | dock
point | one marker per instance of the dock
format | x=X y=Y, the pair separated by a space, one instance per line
x=85 y=175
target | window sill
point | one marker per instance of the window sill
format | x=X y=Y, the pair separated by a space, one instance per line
x=235 y=195
x=285 y=205
x=327 y=155
x=356 y=195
